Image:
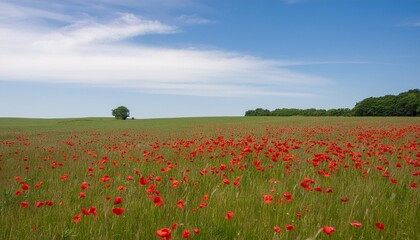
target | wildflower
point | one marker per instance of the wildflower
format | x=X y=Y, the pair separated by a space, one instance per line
x=288 y=196
x=118 y=211
x=379 y=225
x=118 y=200
x=356 y=224
x=180 y=203
x=25 y=187
x=77 y=218
x=143 y=181
x=328 y=230
x=290 y=227
x=92 y=210
x=164 y=233
x=186 y=233
x=225 y=181
x=24 y=204
x=267 y=199
x=158 y=201
x=229 y=215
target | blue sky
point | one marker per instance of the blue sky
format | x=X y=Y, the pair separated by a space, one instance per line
x=178 y=58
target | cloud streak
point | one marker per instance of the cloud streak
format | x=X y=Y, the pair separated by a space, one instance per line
x=100 y=53
x=292 y=1
x=14 y=12
x=85 y=32
x=193 y=20
x=411 y=22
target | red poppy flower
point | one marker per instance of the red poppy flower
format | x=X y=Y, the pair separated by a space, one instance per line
x=175 y=183
x=180 y=203
x=305 y=185
x=77 y=218
x=267 y=199
x=118 y=211
x=24 y=204
x=236 y=183
x=84 y=185
x=289 y=227
x=196 y=231
x=229 y=215
x=105 y=178
x=174 y=225
x=328 y=230
x=225 y=181
x=39 y=204
x=84 y=211
x=18 y=192
x=164 y=233
x=186 y=233
x=49 y=203
x=344 y=199
x=288 y=196
x=82 y=195
x=25 y=187
x=64 y=177
x=356 y=224
x=276 y=229
x=379 y=225
x=143 y=181
x=92 y=210
x=151 y=189
x=158 y=201
x=39 y=184
x=203 y=204
x=118 y=200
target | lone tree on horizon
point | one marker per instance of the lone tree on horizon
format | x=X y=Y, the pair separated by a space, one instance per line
x=121 y=112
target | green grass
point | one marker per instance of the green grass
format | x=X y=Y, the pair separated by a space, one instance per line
x=45 y=149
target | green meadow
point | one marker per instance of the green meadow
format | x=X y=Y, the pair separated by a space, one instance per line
x=279 y=177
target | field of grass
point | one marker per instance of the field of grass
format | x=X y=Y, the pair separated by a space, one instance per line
x=210 y=178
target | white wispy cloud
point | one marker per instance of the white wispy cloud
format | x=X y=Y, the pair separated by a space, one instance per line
x=84 y=32
x=14 y=12
x=411 y=22
x=97 y=53
x=194 y=19
x=292 y=1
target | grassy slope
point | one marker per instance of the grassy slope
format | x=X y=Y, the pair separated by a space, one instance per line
x=174 y=124
x=371 y=200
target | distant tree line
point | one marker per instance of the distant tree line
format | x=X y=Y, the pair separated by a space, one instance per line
x=286 y=112
x=403 y=104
